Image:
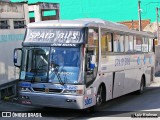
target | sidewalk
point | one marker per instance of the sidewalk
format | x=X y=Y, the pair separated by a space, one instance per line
x=156 y=82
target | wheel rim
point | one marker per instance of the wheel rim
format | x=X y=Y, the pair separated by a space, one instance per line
x=99 y=96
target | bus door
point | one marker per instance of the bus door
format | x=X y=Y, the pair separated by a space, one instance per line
x=91 y=59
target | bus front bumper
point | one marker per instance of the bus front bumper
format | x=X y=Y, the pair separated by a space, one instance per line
x=52 y=100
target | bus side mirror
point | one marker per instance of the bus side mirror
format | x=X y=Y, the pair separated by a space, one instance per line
x=17 y=57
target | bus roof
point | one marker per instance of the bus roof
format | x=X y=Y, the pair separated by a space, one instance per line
x=87 y=22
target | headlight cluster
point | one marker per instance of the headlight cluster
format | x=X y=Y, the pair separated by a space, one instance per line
x=74 y=92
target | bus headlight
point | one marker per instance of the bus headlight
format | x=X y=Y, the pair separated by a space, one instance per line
x=74 y=92
x=24 y=89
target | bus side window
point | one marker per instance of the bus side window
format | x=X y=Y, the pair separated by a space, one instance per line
x=92 y=55
x=118 y=42
x=138 y=44
x=129 y=43
x=150 y=45
x=145 y=44
x=106 y=42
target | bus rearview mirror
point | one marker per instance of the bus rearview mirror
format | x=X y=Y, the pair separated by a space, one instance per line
x=17 y=57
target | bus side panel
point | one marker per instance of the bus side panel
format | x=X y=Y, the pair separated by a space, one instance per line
x=132 y=73
x=130 y=83
x=148 y=75
x=118 y=84
x=148 y=64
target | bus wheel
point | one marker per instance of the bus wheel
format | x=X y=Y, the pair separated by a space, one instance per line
x=99 y=99
x=142 y=86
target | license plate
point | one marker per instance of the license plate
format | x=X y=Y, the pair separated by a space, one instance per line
x=26 y=102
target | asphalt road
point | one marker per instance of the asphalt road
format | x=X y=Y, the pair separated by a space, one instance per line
x=125 y=106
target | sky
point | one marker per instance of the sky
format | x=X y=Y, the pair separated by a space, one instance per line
x=112 y=10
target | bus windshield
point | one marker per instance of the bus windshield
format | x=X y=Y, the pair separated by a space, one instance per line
x=51 y=64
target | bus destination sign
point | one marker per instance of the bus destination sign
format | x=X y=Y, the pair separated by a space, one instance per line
x=55 y=36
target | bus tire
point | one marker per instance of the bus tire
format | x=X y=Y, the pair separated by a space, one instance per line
x=100 y=99
x=142 y=86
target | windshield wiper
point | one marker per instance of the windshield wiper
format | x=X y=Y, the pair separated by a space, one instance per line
x=57 y=72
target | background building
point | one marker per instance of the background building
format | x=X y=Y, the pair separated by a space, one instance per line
x=39 y=9
x=13 y=20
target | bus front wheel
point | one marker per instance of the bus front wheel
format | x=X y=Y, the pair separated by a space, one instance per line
x=100 y=99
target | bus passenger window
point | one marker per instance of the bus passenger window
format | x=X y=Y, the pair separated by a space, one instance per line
x=138 y=44
x=106 y=43
x=118 y=43
x=150 y=44
x=145 y=45
x=127 y=47
x=129 y=43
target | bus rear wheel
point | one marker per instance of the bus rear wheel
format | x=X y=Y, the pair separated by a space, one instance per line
x=142 y=86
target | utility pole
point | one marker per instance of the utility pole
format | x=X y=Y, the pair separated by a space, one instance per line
x=157 y=16
x=139 y=15
x=132 y=25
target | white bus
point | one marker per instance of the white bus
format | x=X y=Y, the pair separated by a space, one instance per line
x=82 y=63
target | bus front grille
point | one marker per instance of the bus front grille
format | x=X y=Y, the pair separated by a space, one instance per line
x=49 y=90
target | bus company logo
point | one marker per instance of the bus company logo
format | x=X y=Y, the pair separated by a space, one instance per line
x=43 y=85
x=25 y=85
x=88 y=101
x=138 y=61
x=67 y=87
